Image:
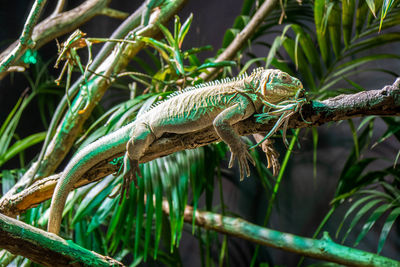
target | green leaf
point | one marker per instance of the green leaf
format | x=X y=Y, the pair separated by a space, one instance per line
x=309 y=49
x=345 y=67
x=149 y=215
x=347 y=183
x=21 y=145
x=159 y=46
x=315 y=146
x=196 y=50
x=371 y=5
x=230 y=34
x=359 y=214
x=249 y=63
x=393 y=129
x=167 y=35
x=274 y=48
x=219 y=64
x=334 y=27
x=241 y=22
x=361 y=15
x=246 y=7
x=304 y=69
x=322 y=38
x=139 y=216
x=184 y=29
x=387 y=4
x=7 y=181
x=386 y=227
x=158 y=190
x=177 y=28
x=371 y=221
x=10 y=116
x=348 y=8
x=374 y=41
x=355 y=138
x=355 y=85
x=96 y=196
x=351 y=209
x=366 y=121
x=102 y=213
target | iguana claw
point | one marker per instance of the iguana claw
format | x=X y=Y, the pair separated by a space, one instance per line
x=129 y=176
x=272 y=156
x=243 y=156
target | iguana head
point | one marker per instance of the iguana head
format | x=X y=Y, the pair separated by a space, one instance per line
x=277 y=85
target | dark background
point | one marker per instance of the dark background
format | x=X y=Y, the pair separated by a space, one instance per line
x=303 y=199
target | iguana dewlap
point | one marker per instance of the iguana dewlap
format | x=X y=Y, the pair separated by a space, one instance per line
x=218 y=103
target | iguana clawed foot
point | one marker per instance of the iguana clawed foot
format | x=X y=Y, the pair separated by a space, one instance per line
x=270 y=152
x=242 y=153
x=272 y=156
x=131 y=168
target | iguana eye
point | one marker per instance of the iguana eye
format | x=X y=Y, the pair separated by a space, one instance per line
x=285 y=78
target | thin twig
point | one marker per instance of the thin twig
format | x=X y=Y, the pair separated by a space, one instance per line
x=25 y=40
x=240 y=40
x=59 y=8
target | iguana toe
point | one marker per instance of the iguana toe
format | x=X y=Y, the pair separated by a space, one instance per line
x=243 y=157
x=129 y=177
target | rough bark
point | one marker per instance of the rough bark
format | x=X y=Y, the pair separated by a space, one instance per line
x=45 y=248
x=384 y=102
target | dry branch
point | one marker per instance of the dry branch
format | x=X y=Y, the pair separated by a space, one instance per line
x=384 y=102
x=45 y=248
x=59 y=24
x=25 y=40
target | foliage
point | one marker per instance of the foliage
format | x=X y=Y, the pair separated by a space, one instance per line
x=325 y=43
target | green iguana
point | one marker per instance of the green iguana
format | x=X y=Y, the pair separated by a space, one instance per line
x=218 y=103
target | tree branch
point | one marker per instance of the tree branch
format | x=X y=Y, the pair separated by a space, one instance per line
x=323 y=249
x=45 y=248
x=240 y=40
x=384 y=102
x=59 y=24
x=108 y=64
x=25 y=40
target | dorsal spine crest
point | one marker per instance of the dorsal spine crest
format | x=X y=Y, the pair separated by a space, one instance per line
x=206 y=84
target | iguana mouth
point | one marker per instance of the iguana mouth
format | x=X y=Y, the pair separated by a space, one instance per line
x=287 y=90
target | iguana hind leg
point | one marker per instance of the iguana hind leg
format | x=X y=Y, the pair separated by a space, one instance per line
x=223 y=126
x=142 y=137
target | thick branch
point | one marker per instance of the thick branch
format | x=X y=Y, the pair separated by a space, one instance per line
x=323 y=249
x=384 y=102
x=45 y=248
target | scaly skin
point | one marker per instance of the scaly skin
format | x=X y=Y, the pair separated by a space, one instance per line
x=220 y=104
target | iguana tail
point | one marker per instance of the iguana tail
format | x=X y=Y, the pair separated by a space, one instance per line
x=85 y=159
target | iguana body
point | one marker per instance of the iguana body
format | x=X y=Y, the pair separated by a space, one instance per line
x=220 y=104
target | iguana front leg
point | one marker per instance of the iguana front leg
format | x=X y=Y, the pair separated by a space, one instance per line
x=223 y=126
x=141 y=138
